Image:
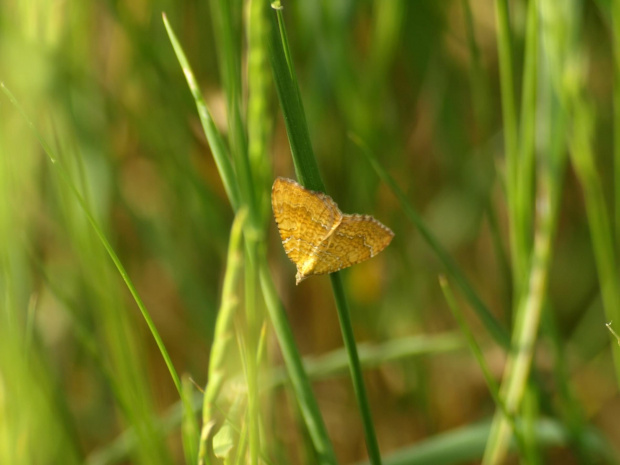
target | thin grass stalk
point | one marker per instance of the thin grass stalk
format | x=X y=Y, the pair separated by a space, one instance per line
x=106 y=244
x=615 y=16
x=530 y=413
x=243 y=191
x=520 y=203
x=524 y=201
x=372 y=445
x=277 y=6
x=239 y=459
x=509 y=114
x=582 y=156
x=130 y=385
x=251 y=350
x=570 y=407
x=241 y=447
x=258 y=127
x=477 y=77
x=143 y=429
x=216 y=142
x=526 y=328
x=223 y=334
x=490 y=322
x=481 y=100
x=226 y=21
x=292 y=358
x=294 y=365
x=570 y=83
x=189 y=431
x=307 y=170
x=531 y=303
x=259 y=117
x=475 y=349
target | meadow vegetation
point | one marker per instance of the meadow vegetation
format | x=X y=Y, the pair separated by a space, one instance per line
x=148 y=312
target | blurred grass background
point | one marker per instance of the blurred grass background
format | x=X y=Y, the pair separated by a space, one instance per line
x=423 y=85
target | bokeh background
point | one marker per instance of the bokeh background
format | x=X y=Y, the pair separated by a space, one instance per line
x=81 y=378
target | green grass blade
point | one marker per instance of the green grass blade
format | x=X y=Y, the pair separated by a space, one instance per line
x=306 y=167
x=615 y=15
x=582 y=156
x=241 y=189
x=475 y=348
x=531 y=300
x=226 y=17
x=524 y=195
x=251 y=350
x=260 y=122
x=582 y=132
x=477 y=77
x=466 y=444
x=335 y=363
x=309 y=175
x=299 y=379
x=216 y=142
x=509 y=114
x=64 y=175
x=372 y=445
x=301 y=384
x=223 y=335
x=490 y=322
x=571 y=411
x=104 y=241
x=189 y=429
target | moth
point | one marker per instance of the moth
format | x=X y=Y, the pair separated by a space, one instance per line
x=317 y=236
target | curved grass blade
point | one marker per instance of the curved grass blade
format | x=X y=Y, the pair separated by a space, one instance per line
x=490 y=322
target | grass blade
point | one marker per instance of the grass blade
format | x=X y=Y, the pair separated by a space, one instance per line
x=294 y=365
x=309 y=175
x=222 y=336
x=104 y=241
x=490 y=322
x=216 y=142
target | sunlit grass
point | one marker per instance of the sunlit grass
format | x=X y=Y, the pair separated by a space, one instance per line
x=149 y=314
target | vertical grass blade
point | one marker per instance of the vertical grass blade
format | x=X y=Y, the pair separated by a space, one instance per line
x=509 y=115
x=189 y=430
x=526 y=329
x=532 y=293
x=615 y=16
x=582 y=156
x=104 y=241
x=308 y=173
x=487 y=318
x=306 y=167
x=222 y=337
x=300 y=382
x=372 y=445
x=474 y=347
x=216 y=142
x=145 y=430
x=526 y=179
x=294 y=365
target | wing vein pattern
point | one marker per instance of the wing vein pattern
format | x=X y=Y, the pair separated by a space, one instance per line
x=317 y=237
